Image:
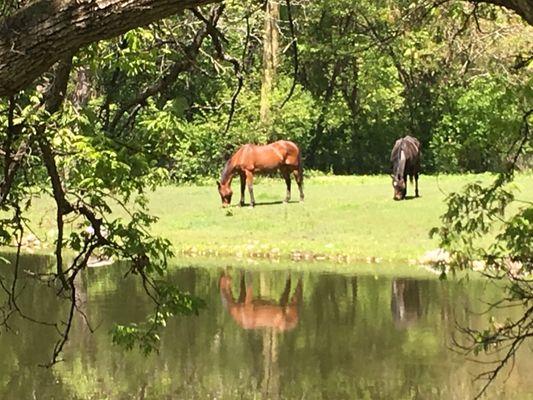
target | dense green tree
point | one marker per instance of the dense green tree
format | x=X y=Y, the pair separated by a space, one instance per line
x=494 y=212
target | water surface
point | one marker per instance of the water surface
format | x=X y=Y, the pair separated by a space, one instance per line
x=265 y=334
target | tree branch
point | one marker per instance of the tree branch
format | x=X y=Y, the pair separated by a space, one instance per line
x=294 y=44
x=191 y=51
x=524 y=8
x=216 y=37
x=35 y=37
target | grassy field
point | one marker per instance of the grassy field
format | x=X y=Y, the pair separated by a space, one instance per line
x=349 y=216
x=346 y=218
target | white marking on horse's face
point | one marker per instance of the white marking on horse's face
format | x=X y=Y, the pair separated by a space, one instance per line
x=402 y=155
x=399 y=188
x=399 y=183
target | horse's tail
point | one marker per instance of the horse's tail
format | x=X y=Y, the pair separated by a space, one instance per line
x=300 y=166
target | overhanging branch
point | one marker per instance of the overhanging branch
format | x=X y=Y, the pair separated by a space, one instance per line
x=191 y=51
x=35 y=37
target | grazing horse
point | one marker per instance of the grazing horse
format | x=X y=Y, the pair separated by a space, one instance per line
x=405 y=159
x=256 y=313
x=249 y=159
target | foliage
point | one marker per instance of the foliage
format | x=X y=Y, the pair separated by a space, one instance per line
x=470 y=215
x=493 y=210
x=480 y=125
x=170 y=302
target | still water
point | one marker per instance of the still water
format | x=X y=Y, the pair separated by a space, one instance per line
x=265 y=334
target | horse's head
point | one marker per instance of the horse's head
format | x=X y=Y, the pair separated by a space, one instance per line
x=400 y=189
x=225 y=193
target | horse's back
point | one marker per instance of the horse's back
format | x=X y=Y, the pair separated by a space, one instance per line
x=268 y=157
x=412 y=145
x=395 y=150
x=409 y=145
x=288 y=145
x=408 y=149
x=290 y=152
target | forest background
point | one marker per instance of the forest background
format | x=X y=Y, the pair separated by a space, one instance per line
x=455 y=75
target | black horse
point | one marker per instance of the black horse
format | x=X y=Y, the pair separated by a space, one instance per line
x=405 y=159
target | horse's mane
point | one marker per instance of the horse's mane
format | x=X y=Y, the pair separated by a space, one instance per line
x=226 y=172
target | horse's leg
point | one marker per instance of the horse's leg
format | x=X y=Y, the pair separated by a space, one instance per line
x=250 y=184
x=243 y=186
x=287 y=176
x=299 y=178
x=416 y=184
x=297 y=296
x=286 y=292
x=249 y=297
x=242 y=292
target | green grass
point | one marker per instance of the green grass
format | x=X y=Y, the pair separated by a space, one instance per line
x=346 y=218
x=352 y=216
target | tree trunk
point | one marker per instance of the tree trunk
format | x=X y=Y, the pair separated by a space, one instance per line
x=38 y=35
x=524 y=8
x=270 y=59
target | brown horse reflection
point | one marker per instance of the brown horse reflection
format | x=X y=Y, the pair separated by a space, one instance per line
x=406 y=307
x=256 y=313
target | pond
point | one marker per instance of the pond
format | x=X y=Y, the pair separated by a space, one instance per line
x=266 y=333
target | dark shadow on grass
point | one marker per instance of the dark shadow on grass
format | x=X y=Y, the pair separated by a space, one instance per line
x=270 y=203
x=411 y=197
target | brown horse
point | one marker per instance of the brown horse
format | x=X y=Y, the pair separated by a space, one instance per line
x=249 y=159
x=256 y=313
x=405 y=160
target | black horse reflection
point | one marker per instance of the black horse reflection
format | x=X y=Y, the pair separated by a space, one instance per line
x=251 y=312
x=406 y=307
